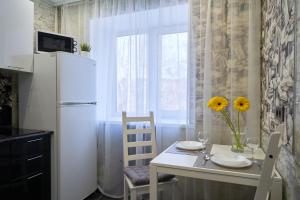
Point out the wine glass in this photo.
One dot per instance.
(203, 139)
(253, 144)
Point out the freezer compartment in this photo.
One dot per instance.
(76, 78)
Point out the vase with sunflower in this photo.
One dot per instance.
(241, 104)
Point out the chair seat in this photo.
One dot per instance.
(139, 175)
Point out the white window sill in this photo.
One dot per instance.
(169, 123)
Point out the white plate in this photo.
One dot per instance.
(190, 145)
(232, 161)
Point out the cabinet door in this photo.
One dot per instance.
(5, 192)
(29, 156)
(24, 167)
(16, 33)
(4, 162)
(29, 147)
(32, 188)
(4, 170)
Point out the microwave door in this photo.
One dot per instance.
(48, 42)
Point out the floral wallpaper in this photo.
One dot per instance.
(278, 64)
(297, 87)
(278, 76)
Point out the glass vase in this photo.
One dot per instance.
(238, 142)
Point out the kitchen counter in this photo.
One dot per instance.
(7, 134)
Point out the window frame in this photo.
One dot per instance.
(154, 43)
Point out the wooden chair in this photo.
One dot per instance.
(266, 179)
(136, 178)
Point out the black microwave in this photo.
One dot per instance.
(52, 42)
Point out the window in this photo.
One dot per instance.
(131, 71)
(142, 63)
(173, 76)
(152, 73)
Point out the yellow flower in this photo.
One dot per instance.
(241, 104)
(217, 103)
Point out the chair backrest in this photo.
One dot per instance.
(266, 178)
(144, 130)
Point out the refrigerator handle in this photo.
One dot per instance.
(78, 103)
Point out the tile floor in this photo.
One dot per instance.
(98, 196)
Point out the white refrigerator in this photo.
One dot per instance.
(61, 96)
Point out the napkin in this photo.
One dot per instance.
(230, 160)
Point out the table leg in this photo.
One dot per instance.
(276, 190)
(153, 183)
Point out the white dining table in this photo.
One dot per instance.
(191, 164)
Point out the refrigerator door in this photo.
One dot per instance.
(76, 78)
(77, 151)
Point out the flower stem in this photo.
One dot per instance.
(228, 121)
(238, 122)
(236, 133)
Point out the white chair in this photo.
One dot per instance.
(136, 178)
(266, 179)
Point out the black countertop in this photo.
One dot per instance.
(7, 133)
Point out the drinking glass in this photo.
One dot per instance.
(203, 139)
(253, 144)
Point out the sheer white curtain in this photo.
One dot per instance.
(141, 50)
(141, 53)
(75, 19)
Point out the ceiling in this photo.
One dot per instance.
(60, 2)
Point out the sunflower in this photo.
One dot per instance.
(217, 103)
(241, 104)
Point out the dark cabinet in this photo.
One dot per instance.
(25, 168)
(4, 163)
(30, 188)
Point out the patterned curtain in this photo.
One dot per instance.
(225, 61)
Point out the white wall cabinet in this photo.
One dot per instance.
(16, 35)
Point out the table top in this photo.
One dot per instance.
(193, 160)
